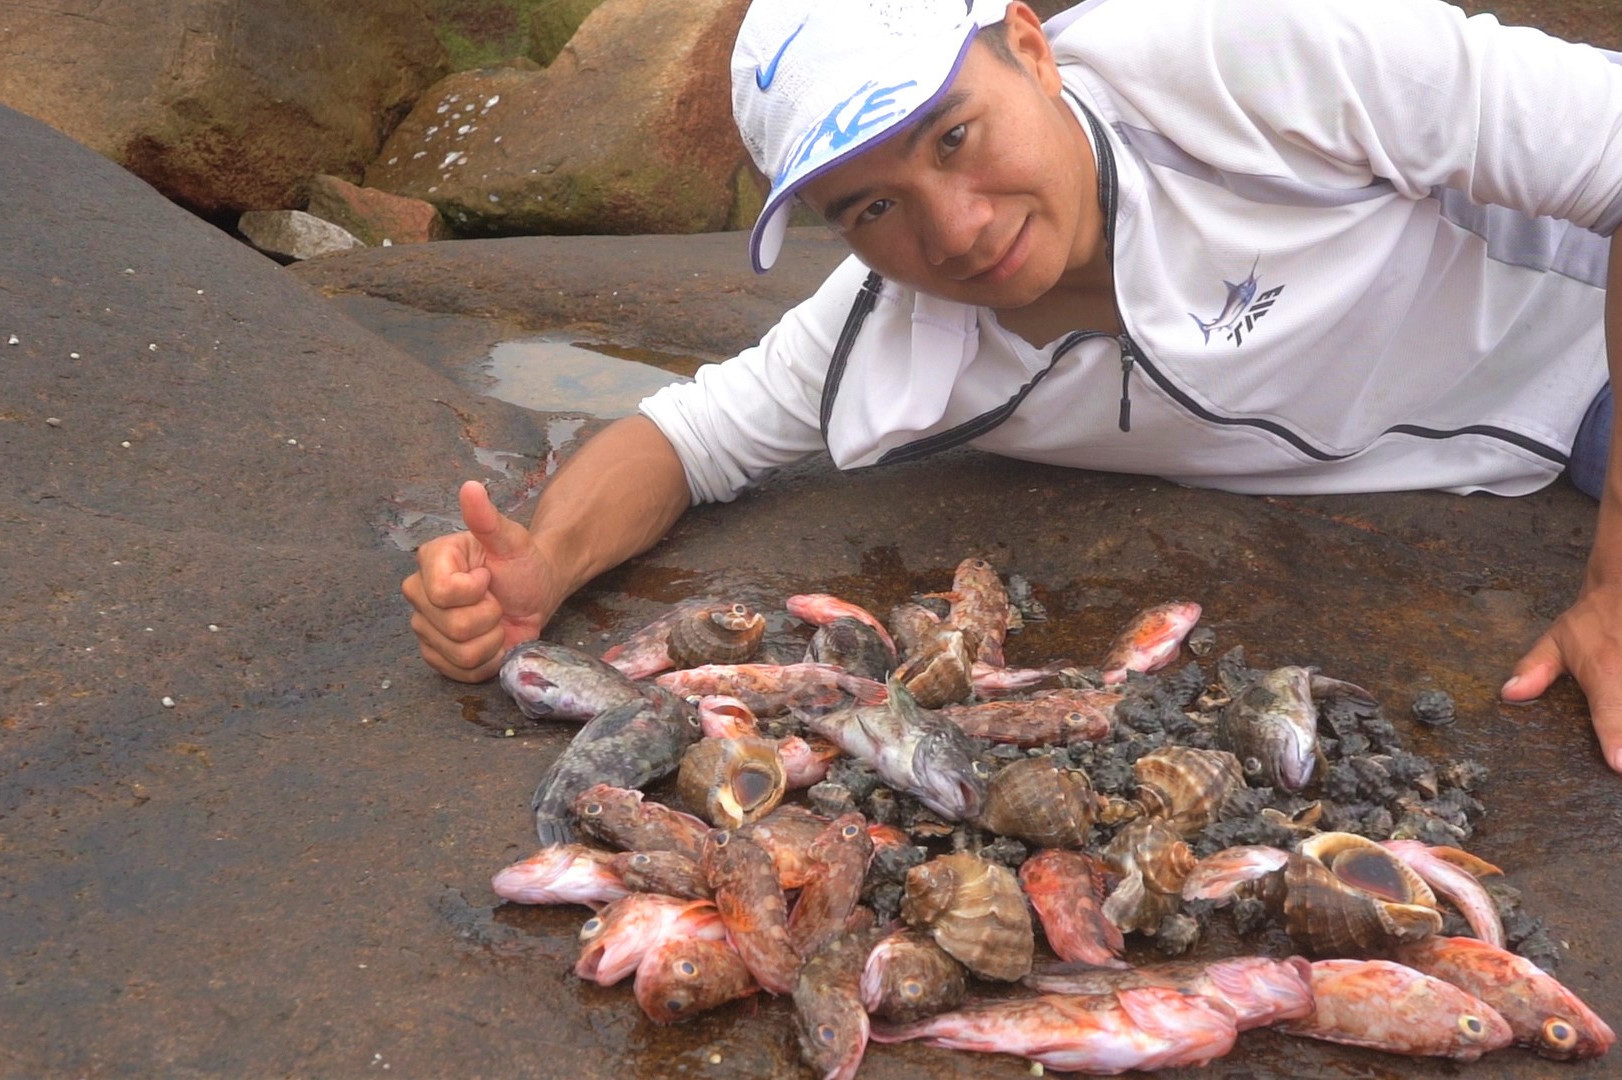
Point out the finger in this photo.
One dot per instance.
(460, 659)
(444, 579)
(466, 675)
(1539, 668)
(502, 537)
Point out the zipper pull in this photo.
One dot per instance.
(1126, 378)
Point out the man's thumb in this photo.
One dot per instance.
(501, 537)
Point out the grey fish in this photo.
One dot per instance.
(913, 750)
(1272, 724)
(627, 746)
(561, 683)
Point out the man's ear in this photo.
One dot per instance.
(1030, 45)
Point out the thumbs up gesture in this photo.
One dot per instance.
(480, 592)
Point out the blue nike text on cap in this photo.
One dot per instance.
(816, 81)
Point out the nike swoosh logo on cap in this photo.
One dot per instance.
(763, 78)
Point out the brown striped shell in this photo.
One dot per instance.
(1153, 861)
(1345, 895)
(730, 782)
(1034, 800)
(975, 910)
(717, 634)
(943, 673)
(1186, 787)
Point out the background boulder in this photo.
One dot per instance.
(628, 131)
(222, 105)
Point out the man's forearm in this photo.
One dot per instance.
(615, 498)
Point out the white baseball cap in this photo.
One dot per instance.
(817, 81)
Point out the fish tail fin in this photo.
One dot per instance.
(553, 831)
(1205, 329)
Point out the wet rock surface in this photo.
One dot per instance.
(287, 871)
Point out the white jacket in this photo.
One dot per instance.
(1358, 245)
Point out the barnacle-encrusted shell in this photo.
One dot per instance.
(1034, 800)
(721, 634)
(1345, 895)
(975, 910)
(853, 645)
(942, 673)
(730, 782)
(1153, 861)
(1187, 787)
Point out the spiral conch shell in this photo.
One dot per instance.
(730, 782)
(975, 910)
(1184, 787)
(942, 672)
(1034, 800)
(1153, 860)
(1345, 895)
(719, 634)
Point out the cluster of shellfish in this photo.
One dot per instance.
(870, 826)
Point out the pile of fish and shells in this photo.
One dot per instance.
(884, 828)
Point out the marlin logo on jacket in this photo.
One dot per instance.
(1242, 310)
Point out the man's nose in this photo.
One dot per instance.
(953, 218)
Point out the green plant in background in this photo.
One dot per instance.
(482, 33)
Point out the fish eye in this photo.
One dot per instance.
(687, 968)
(1558, 1034)
(980, 768)
(592, 925)
(593, 809)
(720, 837)
(693, 721)
(826, 1033)
(675, 1005)
(1472, 1026)
(849, 831)
(912, 988)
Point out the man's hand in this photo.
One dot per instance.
(480, 592)
(1586, 642)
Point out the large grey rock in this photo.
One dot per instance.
(628, 131)
(295, 234)
(221, 104)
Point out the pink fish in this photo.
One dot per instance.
(646, 652)
(1052, 716)
(775, 688)
(561, 874)
(1151, 640)
(1067, 890)
(989, 681)
(806, 761)
(1543, 1014)
(1258, 989)
(743, 878)
(1149, 1027)
(980, 609)
(820, 609)
(614, 941)
(1456, 875)
(1391, 1007)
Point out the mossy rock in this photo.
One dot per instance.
(552, 23)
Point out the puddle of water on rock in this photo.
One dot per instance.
(551, 374)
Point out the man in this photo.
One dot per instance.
(1259, 245)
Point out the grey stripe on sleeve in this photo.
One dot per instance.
(1273, 190)
(1541, 243)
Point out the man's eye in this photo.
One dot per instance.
(874, 209)
(954, 137)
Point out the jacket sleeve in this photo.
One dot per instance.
(740, 419)
(1346, 92)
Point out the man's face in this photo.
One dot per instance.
(988, 198)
